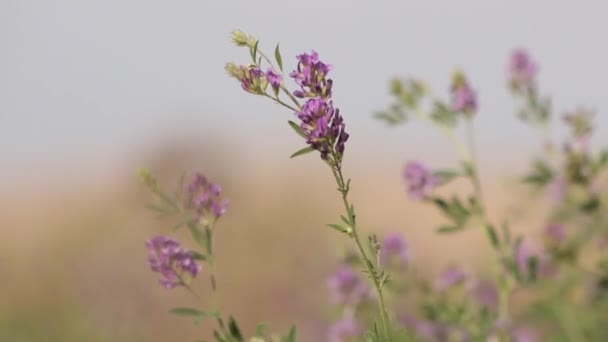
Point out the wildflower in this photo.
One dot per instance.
(450, 277)
(420, 180)
(527, 251)
(240, 38)
(205, 198)
(346, 287)
(522, 71)
(323, 127)
(485, 293)
(274, 79)
(427, 330)
(252, 79)
(394, 248)
(310, 75)
(175, 264)
(345, 329)
(464, 98)
(555, 232)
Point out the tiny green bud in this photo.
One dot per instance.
(240, 38)
(234, 70)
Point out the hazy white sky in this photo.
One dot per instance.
(99, 78)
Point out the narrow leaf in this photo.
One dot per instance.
(198, 256)
(234, 329)
(191, 312)
(449, 229)
(291, 337)
(277, 56)
(296, 128)
(338, 228)
(492, 235)
(198, 236)
(301, 152)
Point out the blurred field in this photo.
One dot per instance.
(73, 263)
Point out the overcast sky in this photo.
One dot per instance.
(98, 78)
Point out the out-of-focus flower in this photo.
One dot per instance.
(485, 293)
(346, 329)
(557, 189)
(581, 127)
(323, 127)
(525, 252)
(311, 76)
(346, 287)
(450, 277)
(419, 179)
(205, 198)
(176, 265)
(555, 233)
(394, 250)
(464, 98)
(427, 330)
(522, 71)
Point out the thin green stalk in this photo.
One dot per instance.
(344, 189)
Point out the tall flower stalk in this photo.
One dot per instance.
(322, 127)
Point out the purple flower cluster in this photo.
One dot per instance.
(175, 264)
(394, 250)
(205, 197)
(252, 79)
(346, 287)
(522, 71)
(419, 179)
(464, 98)
(450, 277)
(321, 123)
(311, 75)
(344, 329)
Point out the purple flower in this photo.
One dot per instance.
(464, 98)
(310, 75)
(522, 71)
(274, 79)
(524, 254)
(523, 335)
(555, 233)
(346, 287)
(485, 293)
(252, 79)
(394, 248)
(427, 330)
(205, 198)
(450, 277)
(175, 264)
(344, 329)
(420, 180)
(323, 127)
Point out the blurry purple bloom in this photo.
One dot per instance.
(450, 277)
(346, 287)
(485, 293)
(344, 329)
(522, 70)
(205, 197)
(555, 232)
(310, 75)
(464, 99)
(165, 256)
(420, 180)
(323, 126)
(528, 250)
(274, 79)
(523, 335)
(394, 248)
(427, 330)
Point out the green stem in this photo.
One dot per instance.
(283, 88)
(344, 189)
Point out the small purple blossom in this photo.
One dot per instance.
(419, 179)
(274, 79)
(522, 70)
(485, 293)
(323, 127)
(205, 197)
(450, 277)
(310, 75)
(464, 98)
(427, 330)
(394, 250)
(345, 329)
(175, 264)
(346, 287)
(555, 232)
(252, 80)
(524, 254)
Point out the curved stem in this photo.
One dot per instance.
(344, 189)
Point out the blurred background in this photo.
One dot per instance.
(92, 90)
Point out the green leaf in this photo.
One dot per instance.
(532, 268)
(449, 229)
(338, 228)
(159, 209)
(197, 235)
(277, 56)
(442, 115)
(296, 128)
(234, 329)
(260, 330)
(541, 174)
(189, 312)
(303, 151)
(208, 239)
(254, 51)
(446, 175)
(198, 256)
(291, 336)
(345, 220)
(492, 235)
